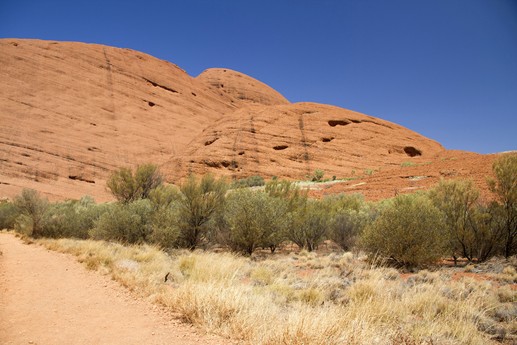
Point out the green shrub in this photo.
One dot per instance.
(31, 207)
(127, 223)
(8, 214)
(409, 231)
(346, 227)
(288, 191)
(164, 218)
(73, 218)
(252, 181)
(308, 225)
(505, 188)
(164, 196)
(254, 220)
(472, 230)
(318, 175)
(198, 204)
(164, 227)
(127, 186)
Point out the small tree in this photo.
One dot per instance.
(8, 214)
(288, 191)
(32, 210)
(165, 215)
(127, 223)
(199, 202)
(456, 199)
(72, 218)
(127, 186)
(409, 231)
(347, 225)
(255, 220)
(308, 225)
(505, 188)
(318, 175)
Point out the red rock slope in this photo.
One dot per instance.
(70, 113)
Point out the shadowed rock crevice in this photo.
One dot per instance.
(160, 86)
(280, 147)
(79, 178)
(210, 142)
(412, 152)
(334, 123)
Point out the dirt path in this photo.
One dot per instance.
(48, 298)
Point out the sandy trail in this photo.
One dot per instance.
(48, 298)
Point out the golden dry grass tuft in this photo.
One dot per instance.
(308, 298)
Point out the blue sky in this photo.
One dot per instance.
(444, 68)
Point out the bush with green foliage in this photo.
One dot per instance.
(198, 204)
(164, 227)
(125, 222)
(408, 231)
(318, 175)
(288, 191)
(73, 218)
(127, 186)
(346, 227)
(457, 199)
(31, 207)
(252, 181)
(254, 219)
(164, 218)
(308, 225)
(504, 186)
(8, 214)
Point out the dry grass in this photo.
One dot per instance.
(307, 298)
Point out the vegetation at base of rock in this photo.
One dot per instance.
(318, 175)
(31, 209)
(409, 230)
(504, 186)
(252, 181)
(127, 186)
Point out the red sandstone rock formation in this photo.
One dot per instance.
(71, 113)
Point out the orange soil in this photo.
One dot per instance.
(49, 298)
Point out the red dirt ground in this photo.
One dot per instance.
(49, 298)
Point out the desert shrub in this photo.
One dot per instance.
(340, 202)
(409, 231)
(288, 191)
(504, 186)
(31, 207)
(456, 199)
(254, 220)
(127, 186)
(348, 214)
(198, 204)
(346, 226)
(164, 196)
(308, 225)
(73, 218)
(164, 227)
(318, 175)
(125, 222)
(252, 181)
(8, 214)
(164, 216)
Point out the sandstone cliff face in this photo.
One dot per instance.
(70, 113)
(293, 140)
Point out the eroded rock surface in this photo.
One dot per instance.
(71, 113)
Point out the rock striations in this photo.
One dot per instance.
(71, 113)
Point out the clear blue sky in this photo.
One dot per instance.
(444, 68)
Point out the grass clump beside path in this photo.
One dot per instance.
(307, 298)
